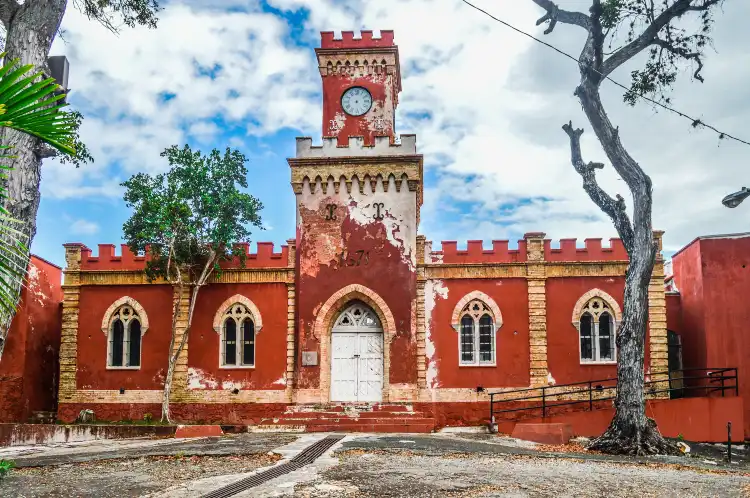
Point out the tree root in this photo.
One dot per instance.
(634, 441)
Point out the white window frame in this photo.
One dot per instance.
(115, 316)
(476, 316)
(230, 313)
(596, 307)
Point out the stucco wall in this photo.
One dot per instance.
(512, 338)
(270, 341)
(29, 368)
(688, 277)
(92, 342)
(563, 355)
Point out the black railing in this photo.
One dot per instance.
(703, 381)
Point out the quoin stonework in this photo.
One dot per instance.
(358, 307)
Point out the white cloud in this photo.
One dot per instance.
(486, 103)
(145, 90)
(84, 227)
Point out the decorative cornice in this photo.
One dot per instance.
(521, 270)
(136, 277)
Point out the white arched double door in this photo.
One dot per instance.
(357, 356)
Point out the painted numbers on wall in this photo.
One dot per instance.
(356, 258)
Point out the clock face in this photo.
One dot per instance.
(356, 101)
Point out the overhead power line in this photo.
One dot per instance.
(695, 122)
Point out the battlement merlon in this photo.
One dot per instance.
(79, 257)
(347, 40)
(356, 147)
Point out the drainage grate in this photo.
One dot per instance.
(308, 456)
(313, 452)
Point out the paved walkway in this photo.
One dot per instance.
(362, 465)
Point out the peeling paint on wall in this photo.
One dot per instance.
(433, 290)
(198, 379)
(550, 379)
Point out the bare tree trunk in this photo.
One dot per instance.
(630, 431)
(176, 313)
(166, 415)
(30, 29)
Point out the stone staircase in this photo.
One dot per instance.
(349, 417)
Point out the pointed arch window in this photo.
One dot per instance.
(124, 336)
(477, 335)
(596, 327)
(238, 333)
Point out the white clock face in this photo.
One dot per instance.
(356, 101)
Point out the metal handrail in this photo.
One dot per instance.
(712, 375)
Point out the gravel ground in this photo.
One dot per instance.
(398, 473)
(124, 478)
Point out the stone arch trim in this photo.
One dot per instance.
(125, 300)
(481, 296)
(238, 299)
(324, 322)
(584, 299)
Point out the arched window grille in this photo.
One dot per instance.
(124, 340)
(597, 332)
(477, 335)
(238, 337)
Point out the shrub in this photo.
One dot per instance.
(5, 466)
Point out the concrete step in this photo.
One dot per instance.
(342, 415)
(355, 407)
(345, 422)
(422, 428)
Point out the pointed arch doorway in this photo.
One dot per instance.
(357, 355)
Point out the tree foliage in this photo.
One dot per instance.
(673, 45)
(187, 221)
(196, 209)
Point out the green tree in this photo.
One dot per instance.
(32, 109)
(187, 221)
(672, 33)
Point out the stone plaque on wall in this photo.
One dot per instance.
(309, 358)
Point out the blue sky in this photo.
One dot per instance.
(485, 103)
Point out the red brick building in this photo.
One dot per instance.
(358, 307)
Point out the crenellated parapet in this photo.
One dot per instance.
(475, 252)
(265, 257)
(592, 251)
(126, 260)
(108, 260)
(365, 40)
(356, 147)
(501, 252)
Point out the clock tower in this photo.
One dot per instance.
(358, 197)
(361, 83)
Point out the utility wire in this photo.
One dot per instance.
(694, 121)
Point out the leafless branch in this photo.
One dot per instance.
(555, 14)
(614, 208)
(8, 9)
(649, 34)
(684, 54)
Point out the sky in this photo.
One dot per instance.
(486, 103)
